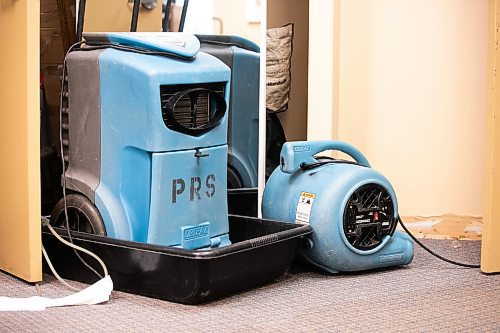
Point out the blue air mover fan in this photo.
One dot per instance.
(351, 207)
(144, 131)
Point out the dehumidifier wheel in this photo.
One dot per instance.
(83, 215)
(233, 180)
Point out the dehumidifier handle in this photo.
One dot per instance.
(295, 153)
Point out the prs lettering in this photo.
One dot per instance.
(197, 189)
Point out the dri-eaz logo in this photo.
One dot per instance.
(196, 232)
(195, 188)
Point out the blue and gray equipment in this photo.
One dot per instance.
(242, 56)
(144, 128)
(351, 207)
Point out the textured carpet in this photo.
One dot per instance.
(428, 295)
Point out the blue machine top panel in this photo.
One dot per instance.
(130, 98)
(183, 44)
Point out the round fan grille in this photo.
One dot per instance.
(368, 217)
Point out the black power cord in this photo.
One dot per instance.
(432, 252)
(82, 5)
(135, 16)
(183, 15)
(166, 17)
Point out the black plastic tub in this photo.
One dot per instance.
(262, 251)
(242, 201)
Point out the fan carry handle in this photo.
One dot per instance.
(294, 154)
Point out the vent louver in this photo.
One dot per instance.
(193, 109)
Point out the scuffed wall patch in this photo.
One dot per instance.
(445, 227)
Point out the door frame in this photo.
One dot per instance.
(490, 254)
(20, 211)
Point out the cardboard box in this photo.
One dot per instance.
(57, 34)
(52, 84)
(51, 47)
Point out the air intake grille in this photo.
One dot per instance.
(193, 109)
(369, 217)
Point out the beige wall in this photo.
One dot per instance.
(233, 16)
(115, 15)
(20, 228)
(279, 13)
(323, 63)
(412, 96)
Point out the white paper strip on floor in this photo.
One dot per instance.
(97, 293)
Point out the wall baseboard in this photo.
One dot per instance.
(445, 226)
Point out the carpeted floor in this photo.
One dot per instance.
(426, 296)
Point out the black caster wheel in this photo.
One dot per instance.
(233, 180)
(83, 215)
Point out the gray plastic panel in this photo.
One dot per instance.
(84, 111)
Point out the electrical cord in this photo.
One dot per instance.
(432, 252)
(53, 270)
(76, 247)
(135, 15)
(166, 16)
(46, 222)
(182, 21)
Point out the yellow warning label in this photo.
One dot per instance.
(308, 195)
(304, 207)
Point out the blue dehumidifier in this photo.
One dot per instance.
(242, 56)
(144, 131)
(351, 207)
